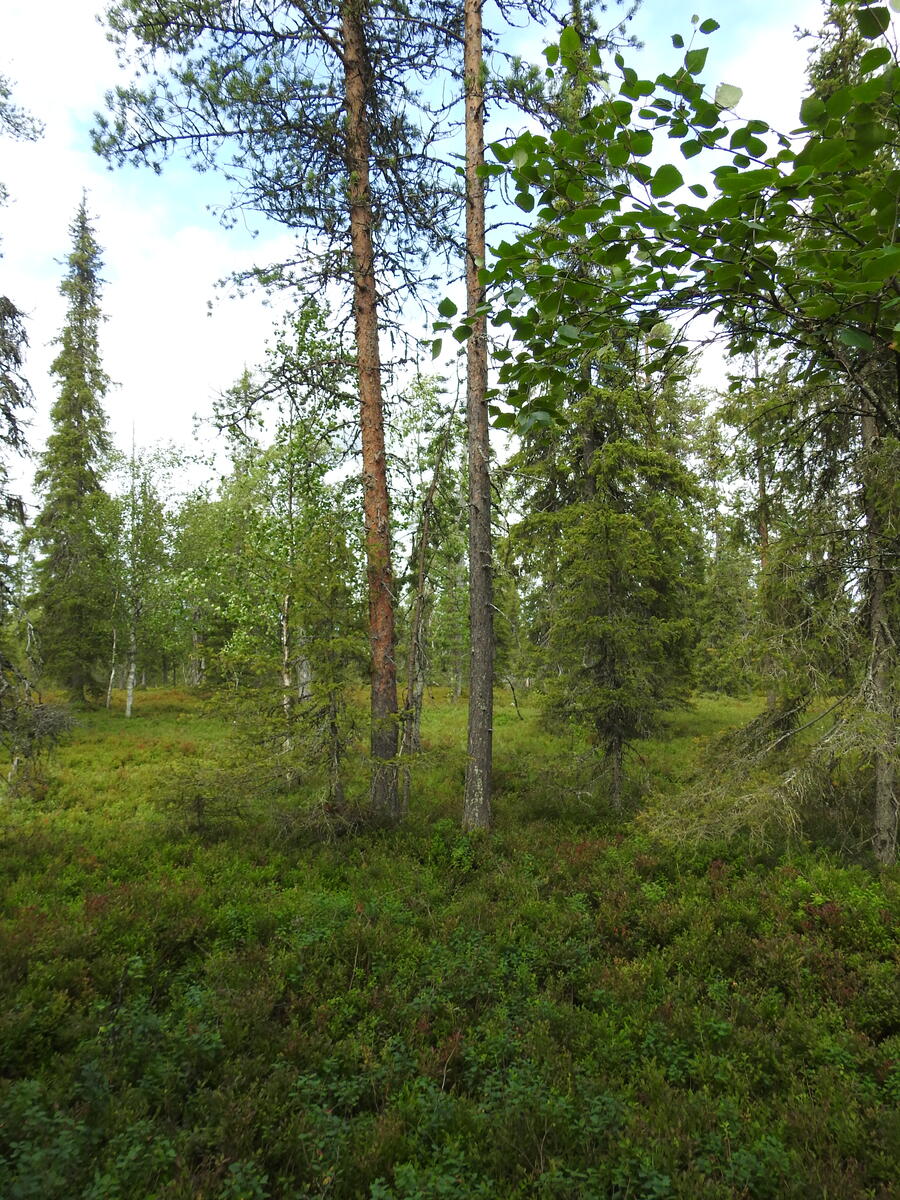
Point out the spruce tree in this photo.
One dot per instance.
(611, 531)
(71, 531)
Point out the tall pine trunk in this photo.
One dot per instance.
(357, 83)
(477, 803)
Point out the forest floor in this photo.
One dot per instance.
(259, 1008)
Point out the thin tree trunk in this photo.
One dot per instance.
(618, 773)
(304, 673)
(762, 513)
(881, 648)
(410, 738)
(590, 443)
(132, 661)
(112, 670)
(357, 82)
(285, 632)
(477, 802)
(284, 624)
(335, 752)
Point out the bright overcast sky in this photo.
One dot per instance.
(163, 251)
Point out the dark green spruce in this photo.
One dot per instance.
(71, 532)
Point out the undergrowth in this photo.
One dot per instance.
(561, 1009)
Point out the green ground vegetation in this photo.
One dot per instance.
(250, 1001)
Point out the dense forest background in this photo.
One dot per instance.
(259, 712)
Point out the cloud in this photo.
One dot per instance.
(163, 251)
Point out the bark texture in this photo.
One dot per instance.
(477, 802)
(357, 85)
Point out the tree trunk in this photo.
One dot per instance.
(762, 513)
(284, 625)
(357, 83)
(304, 673)
(590, 443)
(132, 661)
(762, 499)
(411, 736)
(335, 752)
(881, 649)
(477, 802)
(410, 739)
(112, 670)
(616, 755)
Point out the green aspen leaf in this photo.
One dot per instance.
(520, 157)
(884, 265)
(811, 110)
(877, 57)
(500, 152)
(699, 190)
(436, 347)
(641, 142)
(709, 26)
(447, 308)
(695, 20)
(695, 60)
(873, 22)
(856, 338)
(689, 149)
(727, 95)
(569, 41)
(525, 201)
(551, 53)
(515, 296)
(666, 180)
(462, 332)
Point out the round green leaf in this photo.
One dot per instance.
(727, 95)
(873, 22)
(811, 110)
(569, 41)
(666, 180)
(695, 60)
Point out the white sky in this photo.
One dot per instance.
(163, 250)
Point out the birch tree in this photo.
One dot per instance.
(309, 111)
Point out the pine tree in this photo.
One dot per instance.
(72, 531)
(311, 109)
